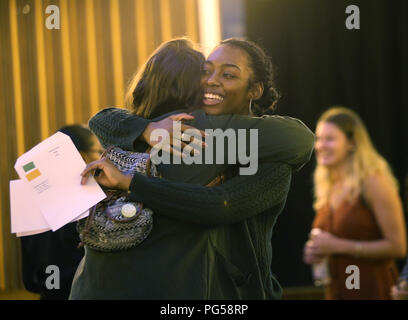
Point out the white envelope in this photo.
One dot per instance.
(31, 233)
(51, 170)
(26, 216)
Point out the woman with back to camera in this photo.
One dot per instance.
(359, 216)
(198, 255)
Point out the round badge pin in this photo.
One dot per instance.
(128, 210)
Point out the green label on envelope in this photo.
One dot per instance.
(29, 166)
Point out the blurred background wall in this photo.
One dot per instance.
(49, 78)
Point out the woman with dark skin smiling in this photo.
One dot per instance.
(207, 242)
(226, 75)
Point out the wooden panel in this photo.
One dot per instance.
(67, 62)
(178, 28)
(116, 52)
(131, 54)
(28, 62)
(78, 103)
(191, 20)
(165, 18)
(41, 70)
(92, 56)
(16, 72)
(141, 34)
(51, 73)
(82, 24)
(5, 102)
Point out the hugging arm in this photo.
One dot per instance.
(237, 199)
(117, 127)
(280, 139)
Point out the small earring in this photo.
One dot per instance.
(250, 106)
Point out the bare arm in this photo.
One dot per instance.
(384, 200)
(387, 207)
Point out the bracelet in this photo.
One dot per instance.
(358, 249)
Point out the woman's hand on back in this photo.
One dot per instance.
(175, 138)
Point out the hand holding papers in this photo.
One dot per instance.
(50, 181)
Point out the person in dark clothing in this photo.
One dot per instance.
(206, 242)
(59, 248)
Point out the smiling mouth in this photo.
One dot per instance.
(324, 155)
(211, 99)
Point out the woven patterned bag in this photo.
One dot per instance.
(116, 223)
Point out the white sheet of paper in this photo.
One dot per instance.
(52, 172)
(84, 215)
(31, 233)
(26, 216)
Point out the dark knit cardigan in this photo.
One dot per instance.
(207, 243)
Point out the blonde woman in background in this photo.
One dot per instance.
(359, 213)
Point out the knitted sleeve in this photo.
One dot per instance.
(237, 199)
(279, 138)
(118, 127)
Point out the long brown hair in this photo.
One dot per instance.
(169, 79)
